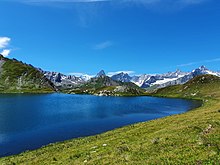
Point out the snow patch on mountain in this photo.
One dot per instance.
(165, 80)
(140, 80)
(170, 78)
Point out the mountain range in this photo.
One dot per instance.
(103, 85)
(147, 81)
(16, 76)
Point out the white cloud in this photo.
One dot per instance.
(192, 1)
(164, 5)
(199, 62)
(130, 72)
(78, 74)
(156, 3)
(103, 45)
(88, 11)
(124, 1)
(4, 41)
(5, 52)
(162, 1)
(60, 1)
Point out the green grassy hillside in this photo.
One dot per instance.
(189, 138)
(17, 77)
(204, 87)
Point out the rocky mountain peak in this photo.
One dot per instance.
(122, 74)
(101, 74)
(203, 68)
(123, 77)
(178, 71)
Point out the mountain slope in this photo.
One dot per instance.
(147, 80)
(123, 77)
(17, 77)
(101, 74)
(62, 81)
(187, 77)
(203, 86)
(104, 86)
(156, 81)
(189, 138)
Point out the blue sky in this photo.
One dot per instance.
(85, 36)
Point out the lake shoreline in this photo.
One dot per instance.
(108, 132)
(110, 97)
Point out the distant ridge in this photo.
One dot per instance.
(147, 81)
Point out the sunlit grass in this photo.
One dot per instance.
(189, 138)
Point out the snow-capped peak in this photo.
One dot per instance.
(144, 80)
(202, 68)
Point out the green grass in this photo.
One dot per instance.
(202, 88)
(17, 77)
(189, 138)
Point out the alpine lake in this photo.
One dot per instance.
(30, 121)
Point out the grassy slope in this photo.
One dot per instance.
(17, 77)
(189, 138)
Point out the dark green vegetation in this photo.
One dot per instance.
(17, 77)
(189, 138)
(105, 86)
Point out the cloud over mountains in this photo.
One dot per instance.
(4, 42)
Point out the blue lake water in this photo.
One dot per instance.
(30, 121)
